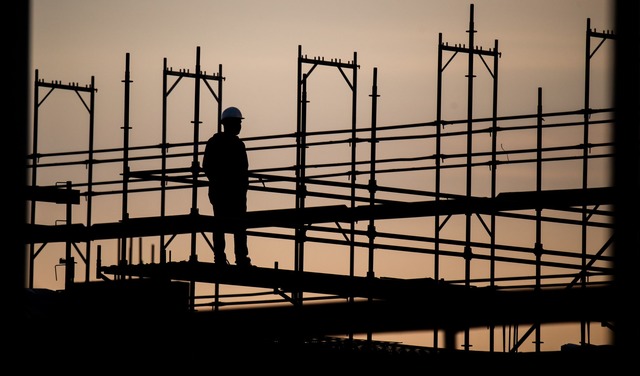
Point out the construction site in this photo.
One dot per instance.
(489, 275)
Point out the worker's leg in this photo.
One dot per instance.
(219, 243)
(240, 248)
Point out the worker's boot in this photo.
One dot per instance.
(220, 258)
(243, 261)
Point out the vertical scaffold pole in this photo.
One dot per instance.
(163, 162)
(538, 246)
(34, 175)
(125, 153)
(195, 164)
(494, 167)
(438, 160)
(300, 231)
(585, 171)
(371, 230)
(469, 168)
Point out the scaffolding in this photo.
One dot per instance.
(463, 226)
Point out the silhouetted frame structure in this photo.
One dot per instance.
(358, 304)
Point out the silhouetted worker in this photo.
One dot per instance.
(226, 165)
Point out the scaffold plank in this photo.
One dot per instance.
(291, 218)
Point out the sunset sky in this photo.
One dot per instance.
(542, 45)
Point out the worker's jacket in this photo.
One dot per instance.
(226, 166)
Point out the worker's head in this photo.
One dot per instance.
(231, 119)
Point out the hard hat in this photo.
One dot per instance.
(231, 112)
